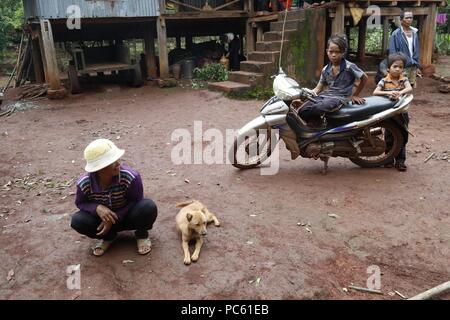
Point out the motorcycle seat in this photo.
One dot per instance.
(356, 112)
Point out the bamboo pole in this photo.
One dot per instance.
(9, 81)
(432, 292)
(20, 53)
(365, 290)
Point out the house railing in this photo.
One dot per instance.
(206, 5)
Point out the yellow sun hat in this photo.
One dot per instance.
(101, 153)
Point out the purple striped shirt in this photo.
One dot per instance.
(123, 193)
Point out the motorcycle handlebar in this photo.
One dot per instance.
(305, 95)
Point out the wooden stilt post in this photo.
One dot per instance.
(248, 6)
(427, 35)
(362, 39)
(162, 6)
(423, 34)
(37, 59)
(51, 65)
(50, 62)
(347, 33)
(42, 51)
(178, 40)
(338, 23)
(162, 45)
(321, 41)
(385, 43)
(149, 43)
(249, 37)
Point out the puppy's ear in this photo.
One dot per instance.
(189, 217)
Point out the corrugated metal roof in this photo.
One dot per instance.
(57, 9)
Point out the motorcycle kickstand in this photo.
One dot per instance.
(325, 164)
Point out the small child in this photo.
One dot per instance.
(336, 84)
(393, 86)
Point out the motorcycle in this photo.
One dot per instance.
(370, 135)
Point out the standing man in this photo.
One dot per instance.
(405, 40)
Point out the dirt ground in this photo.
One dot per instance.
(277, 239)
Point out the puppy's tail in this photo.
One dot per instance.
(184, 204)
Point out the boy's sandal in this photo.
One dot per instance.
(101, 247)
(144, 245)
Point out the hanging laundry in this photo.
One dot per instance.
(441, 18)
(356, 12)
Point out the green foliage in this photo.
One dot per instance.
(199, 84)
(11, 19)
(374, 40)
(443, 33)
(211, 72)
(256, 93)
(443, 43)
(299, 49)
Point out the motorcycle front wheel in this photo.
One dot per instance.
(384, 131)
(250, 151)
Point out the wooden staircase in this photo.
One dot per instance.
(262, 63)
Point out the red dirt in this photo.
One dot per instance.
(398, 221)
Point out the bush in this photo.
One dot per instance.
(211, 72)
(11, 19)
(443, 33)
(256, 93)
(374, 40)
(199, 84)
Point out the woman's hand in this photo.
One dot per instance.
(104, 228)
(358, 100)
(106, 214)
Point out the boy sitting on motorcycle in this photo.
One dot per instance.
(335, 86)
(393, 86)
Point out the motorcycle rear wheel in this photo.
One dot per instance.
(387, 157)
(249, 144)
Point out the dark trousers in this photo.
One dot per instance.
(401, 157)
(140, 218)
(314, 110)
(235, 63)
